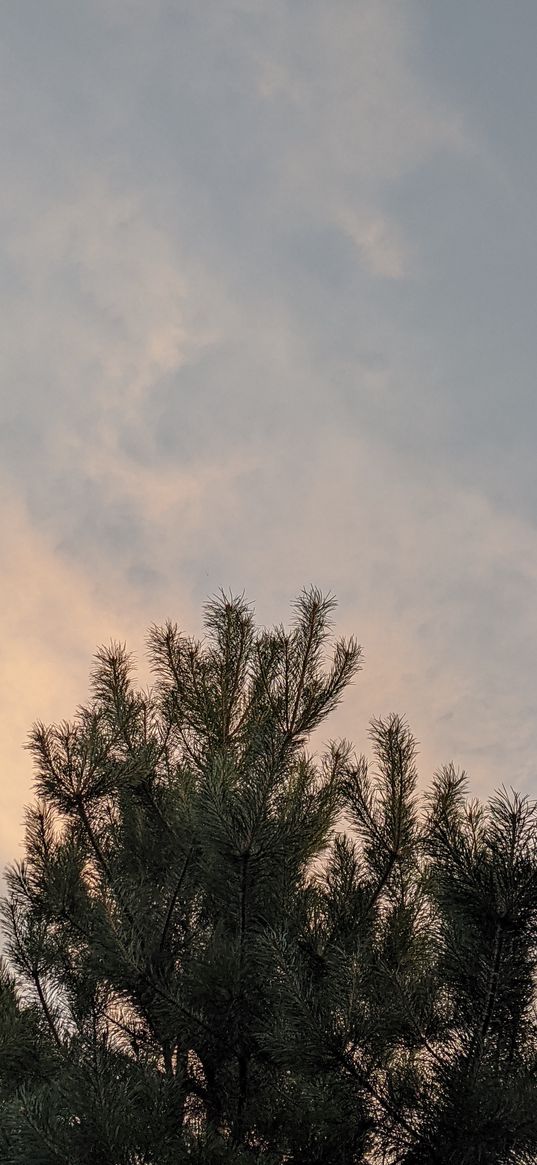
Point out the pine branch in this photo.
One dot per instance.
(363, 1079)
(104, 866)
(314, 610)
(394, 978)
(46, 1011)
(242, 1057)
(175, 895)
(382, 883)
(478, 1042)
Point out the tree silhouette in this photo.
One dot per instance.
(223, 950)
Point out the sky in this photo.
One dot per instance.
(268, 287)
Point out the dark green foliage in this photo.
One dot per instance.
(224, 951)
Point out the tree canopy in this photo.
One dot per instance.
(222, 948)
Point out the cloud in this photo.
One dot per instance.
(97, 281)
(377, 243)
(237, 327)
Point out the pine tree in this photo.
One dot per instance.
(222, 949)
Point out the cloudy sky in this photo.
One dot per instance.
(268, 318)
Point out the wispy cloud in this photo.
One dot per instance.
(376, 241)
